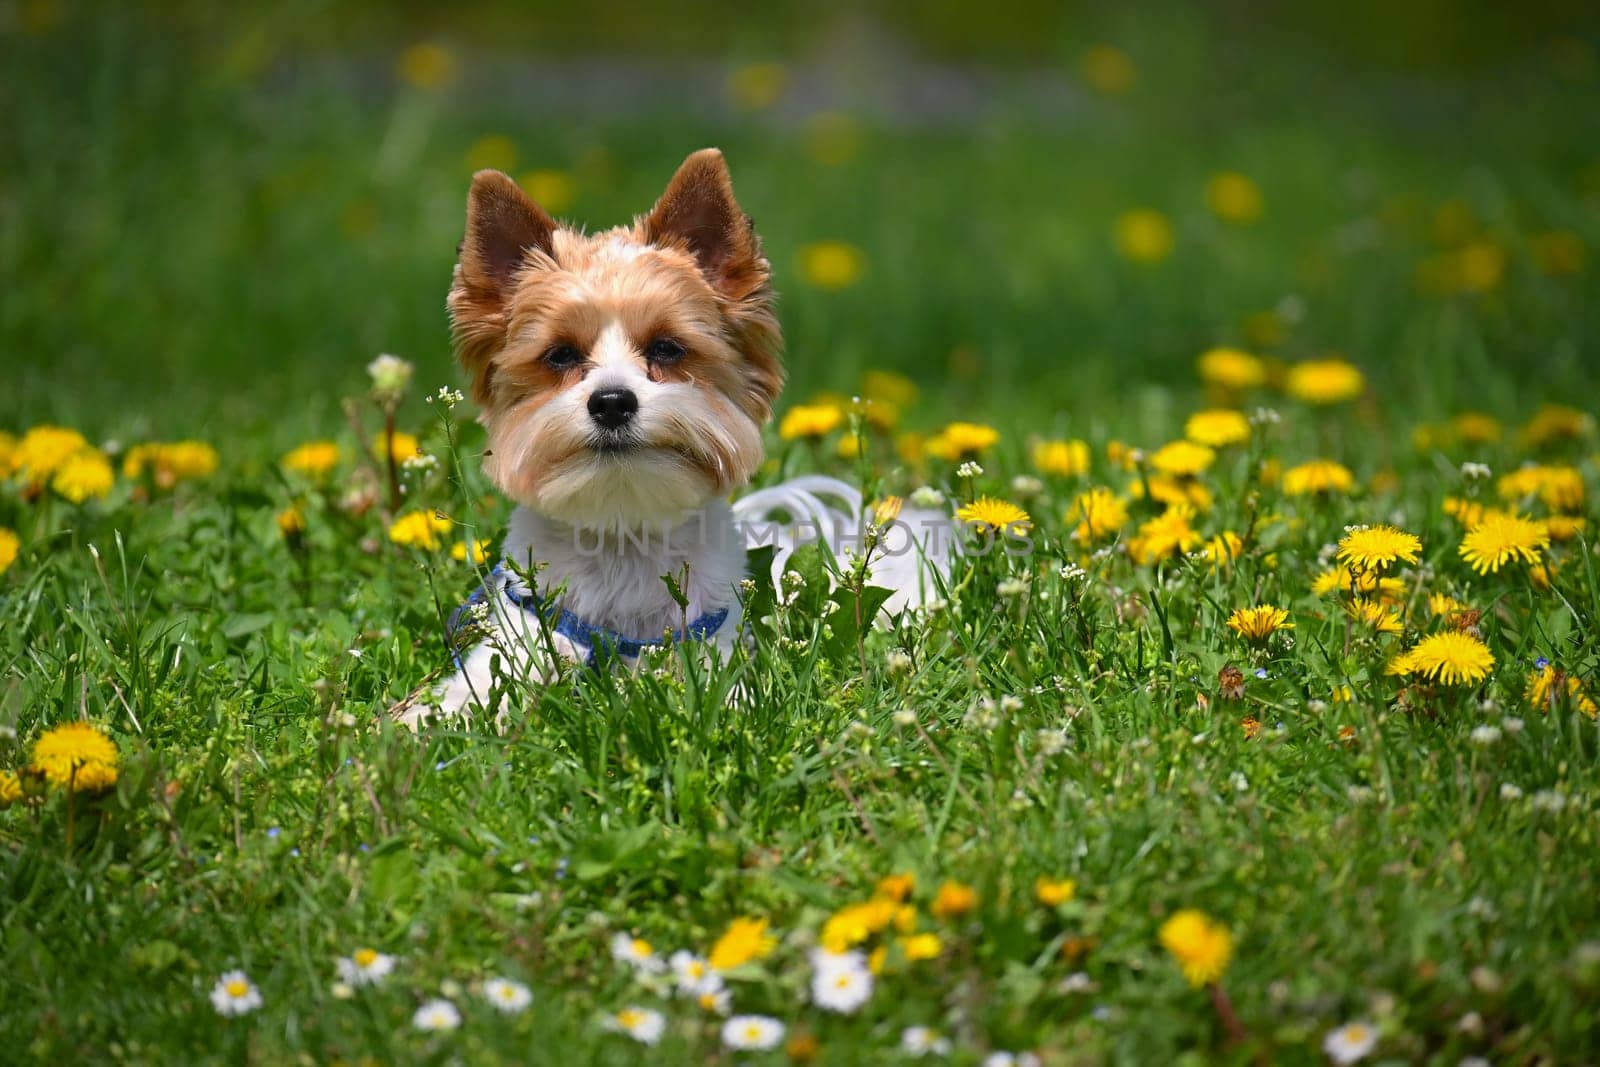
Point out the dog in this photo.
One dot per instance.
(623, 379)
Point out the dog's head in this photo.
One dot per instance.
(623, 376)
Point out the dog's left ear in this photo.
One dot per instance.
(698, 212)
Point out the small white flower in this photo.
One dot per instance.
(1026, 485)
(927, 497)
(1265, 417)
(1480, 908)
(436, 1016)
(421, 461)
(641, 1024)
(365, 966)
(840, 982)
(235, 994)
(1512, 725)
(1550, 800)
(1077, 982)
(715, 1003)
(389, 374)
(923, 1041)
(1359, 794)
(752, 1032)
(341, 991)
(1071, 572)
(905, 717)
(1485, 735)
(692, 974)
(507, 996)
(1240, 783)
(1012, 587)
(1011, 1059)
(898, 661)
(1010, 705)
(1350, 1042)
(969, 469)
(1471, 471)
(1051, 742)
(637, 953)
(1510, 791)
(1470, 1024)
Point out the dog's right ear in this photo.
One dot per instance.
(503, 227)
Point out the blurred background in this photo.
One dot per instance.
(212, 216)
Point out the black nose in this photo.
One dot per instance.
(612, 408)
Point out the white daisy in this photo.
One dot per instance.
(436, 1015)
(641, 1024)
(365, 966)
(715, 1003)
(752, 1032)
(841, 987)
(693, 974)
(235, 994)
(1350, 1042)
(923, 1041)
(637, 953)
(507, 996)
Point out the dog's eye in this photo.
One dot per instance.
(563, 357)
(664, 350)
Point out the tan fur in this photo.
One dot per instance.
(690, 269)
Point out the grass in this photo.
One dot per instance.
(221, 264)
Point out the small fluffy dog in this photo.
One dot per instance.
(623, 378)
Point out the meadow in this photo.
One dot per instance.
(1278, 746)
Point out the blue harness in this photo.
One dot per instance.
(600, 641)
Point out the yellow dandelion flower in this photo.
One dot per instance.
(1476, 428)
(1220, 551)
(1444, 606)
(1201, 946)
(1556, 422)
(1231, 369)
(553, 190)
(170, 462)
(1233, 197)
(1069, 459)
(291, 522)
(405, 446)
(962, 440)
(1172, 491)
(1259, 623)
(64, 752)
(924, 946)
(1452, 658)
(10, 548)
(479, 550)
(1565, 527)
(1550, 687)
(1108, 69)
(10, 789)
(1357, 583)
(911, 447)
(1402, 665)
(1182, 459)
(1097, 514)
(43, 450)
(426, 66)
(419, 529)
(1325, 381)
(1467, 512)
(1376, 614)
(1318, 476)
(878, 414)
(1217, 428)
(1168, 534)
(889, 387)
(989, 513)
(1143, 235)
(810, 421)
(744, 940)
(1375, 548)
(1052, 892)
(312, 459)
(953, 900)
(757, 86)
(831, 265)
(1503, 539)
(84, 475)
(897, 887)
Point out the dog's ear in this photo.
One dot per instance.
(503, 223)
(698, 213)
(503, 227)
